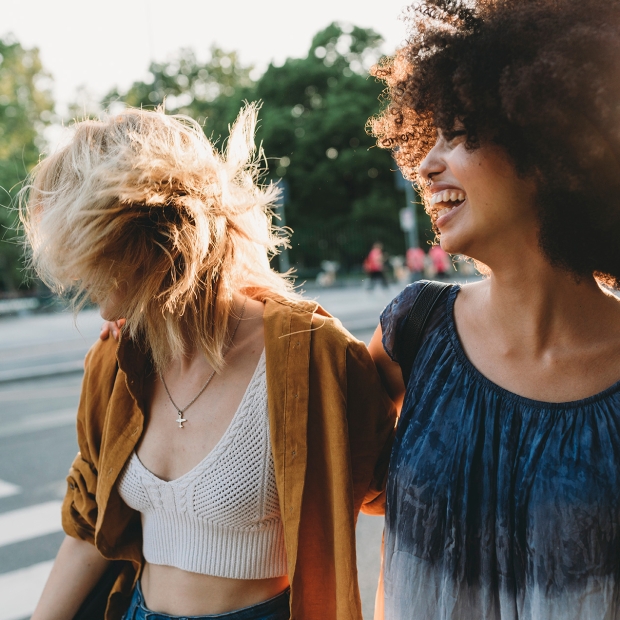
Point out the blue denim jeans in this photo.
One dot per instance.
(276, 608)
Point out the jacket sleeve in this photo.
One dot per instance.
(79, 509)
(371, 418)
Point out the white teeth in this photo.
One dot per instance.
(444, 211)
(447, 195)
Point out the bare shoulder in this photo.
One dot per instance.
(471, 298)
(253, 308)
(473, 291)
(247, 324)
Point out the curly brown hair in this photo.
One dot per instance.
(540, 78)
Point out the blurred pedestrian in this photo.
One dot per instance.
(399, 269)
(215, 463)
(503, 500)
(415, 263)
(440, 260)
(374, 266)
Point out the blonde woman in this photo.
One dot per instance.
(228, 441)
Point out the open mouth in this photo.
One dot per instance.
(445, 203)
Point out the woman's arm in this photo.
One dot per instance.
(389, 371)
(78, 567)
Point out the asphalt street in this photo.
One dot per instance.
(40, 374)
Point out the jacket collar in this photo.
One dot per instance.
(135, 362)
(133, 358)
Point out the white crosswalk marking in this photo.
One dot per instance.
(20, 590)
(25, 523)
(7, 489)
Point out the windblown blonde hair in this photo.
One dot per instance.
(143, 200)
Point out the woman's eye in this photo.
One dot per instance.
(457, 136)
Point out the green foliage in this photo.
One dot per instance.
(26, 107)
(341, 187)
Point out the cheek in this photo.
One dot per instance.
(496, 193)
(107, 309)
(479, 179)
(110, 308)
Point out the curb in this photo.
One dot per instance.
(40, 372)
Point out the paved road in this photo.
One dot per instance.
(37, 441)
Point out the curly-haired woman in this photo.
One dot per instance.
(503, 499)
(229, 441)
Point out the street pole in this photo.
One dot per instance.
(408, 216)
(410, 197)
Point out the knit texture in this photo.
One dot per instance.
(222, 517)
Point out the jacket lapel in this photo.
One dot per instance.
(287, 353)
(124, 421)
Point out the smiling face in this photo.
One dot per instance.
(477, 201)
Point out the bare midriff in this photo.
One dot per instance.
(177, 592)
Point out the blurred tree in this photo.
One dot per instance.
(341, 187)
(26, 107)
(211, 92)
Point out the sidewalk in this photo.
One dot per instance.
(47, 345)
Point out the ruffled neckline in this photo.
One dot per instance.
(504, 393)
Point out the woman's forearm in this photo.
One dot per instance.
(78, 567)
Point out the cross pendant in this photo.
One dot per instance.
(180, 420)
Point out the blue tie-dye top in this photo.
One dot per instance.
(498, 506)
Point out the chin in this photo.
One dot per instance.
(458, 241)
(107, 315)
(449, 244)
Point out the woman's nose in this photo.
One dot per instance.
(432, 164)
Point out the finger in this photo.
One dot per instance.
(116, 328)
(105, 331)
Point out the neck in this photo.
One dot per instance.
(194, 356)
(534, 303)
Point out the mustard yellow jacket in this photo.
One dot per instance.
(331, 429)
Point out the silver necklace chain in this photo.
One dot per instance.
(180, 419)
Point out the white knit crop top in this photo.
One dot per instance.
(222, 517)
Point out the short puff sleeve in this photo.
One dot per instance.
(393, 317)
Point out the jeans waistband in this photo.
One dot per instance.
(276, 608)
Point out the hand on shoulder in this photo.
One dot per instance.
(111, 328)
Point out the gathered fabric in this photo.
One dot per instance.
(499, 507)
